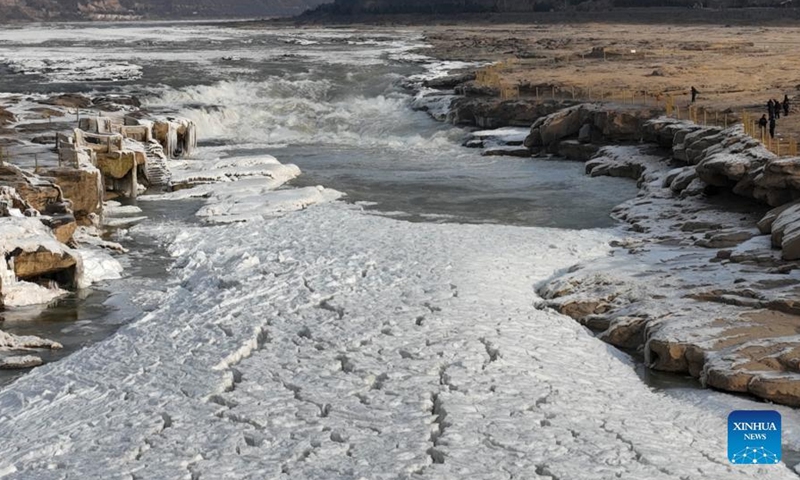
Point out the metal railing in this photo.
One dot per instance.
(778, 146)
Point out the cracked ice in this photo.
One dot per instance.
(331, 343)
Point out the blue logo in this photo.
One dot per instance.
(754, 437)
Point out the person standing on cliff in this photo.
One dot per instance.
(771, 109)
(772, 127)
(786, 105)
(777, 105)
(762, 125)
(695, 93)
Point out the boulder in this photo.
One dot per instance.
(29, 252)
(683, 179)
(784, 390)
(44, 263)
(725, 239)
(666, 356)
(726, 169)
(746, 187)
(576, 150)
(605, 167)
(696, 188)
(585, 133)
(507, 152)
(62, 226)
(10, 342)
(496, 113)
(621, 124)
(449, 82)
(727, 380)
(662, 131)
(562, 124)
(671, 175)
(765, 224)
(82, 186)
(69, 100)
(579, 310)
(116, 102)
(36, 191)
(625, 332)
(534, 139)
(777, 197)
(46, 112)
(698, 141)
(6, 117)
(780, 173)
(786, 221)
(678, 144)
(11, 203)
(20, 362)
(790, 246)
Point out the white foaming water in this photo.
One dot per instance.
(303, 111)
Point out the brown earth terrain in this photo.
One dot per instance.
(736, 68)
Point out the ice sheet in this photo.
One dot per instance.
(334, 344)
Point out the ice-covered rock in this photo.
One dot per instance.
(18, 362)
(449, 82)
(82, 186)
(682, 179)
(727, 169)
(513, 136)
(629, 162)
(36, 191)
(785, 231)
(765, 224)
(507, 152)
(194, 173)
(242, 188)
(15, 342)
(98, 266)
(719, 315)
(254, 199)
(178, 136)
(32, 254)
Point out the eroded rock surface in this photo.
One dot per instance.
(697, 288)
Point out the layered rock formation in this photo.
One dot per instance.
(603, 124)
(699, 288)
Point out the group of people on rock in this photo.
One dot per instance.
(774, 108)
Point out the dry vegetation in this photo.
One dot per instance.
(735, 68)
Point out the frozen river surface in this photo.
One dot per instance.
(333, 343)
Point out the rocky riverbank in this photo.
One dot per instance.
(55, 206)
(59, 179)
(706, 280)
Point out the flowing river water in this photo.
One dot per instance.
(332, 102)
